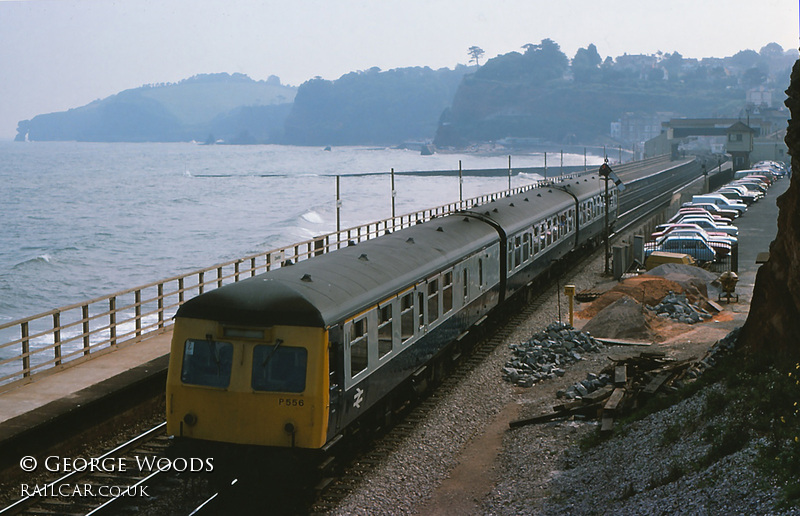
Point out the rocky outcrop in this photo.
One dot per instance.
(773, 324)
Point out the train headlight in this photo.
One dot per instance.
(190, 419)
(289, 428)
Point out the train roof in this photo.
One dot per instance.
(516, 212)
(327, 289)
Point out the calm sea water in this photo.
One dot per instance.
(82, 220)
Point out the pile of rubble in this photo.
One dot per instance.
(592, 383)
(678, 308)
(545, 353)
(619, 388)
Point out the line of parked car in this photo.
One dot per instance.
(703, 228)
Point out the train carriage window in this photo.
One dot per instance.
(510, 256)
(207, 362)
(465, 282)
(279, 368)
(517, 251)
(526, 246)
(421, 310)
(433, 300)
(447, 291)
(384, 330)
(406, 317)
(359, 358)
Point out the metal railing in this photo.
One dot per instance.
(52, 340)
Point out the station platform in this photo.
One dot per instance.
(33, 414)
(36, 415)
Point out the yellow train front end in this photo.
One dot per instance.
(264, 387)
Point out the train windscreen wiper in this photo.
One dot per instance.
(278, 342)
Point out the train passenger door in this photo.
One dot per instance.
(335, 379)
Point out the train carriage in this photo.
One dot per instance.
(291, 357)
(296, 357)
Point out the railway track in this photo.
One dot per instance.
(97, 485)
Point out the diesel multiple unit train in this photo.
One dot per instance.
(297, 356)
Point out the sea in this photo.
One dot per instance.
(83, 220)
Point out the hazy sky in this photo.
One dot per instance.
(59, 54)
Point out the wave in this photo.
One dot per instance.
(312, 217)
(39, 260)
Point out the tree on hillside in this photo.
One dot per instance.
(476, 53)
(586, 64)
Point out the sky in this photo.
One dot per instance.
(60, 54)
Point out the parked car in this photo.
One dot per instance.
(721, 244)
(711, 226)
(721, 201)
(713, 209)
(692, 245)
(736, 195)
(753, 185)
(757, 172)
(697, 210)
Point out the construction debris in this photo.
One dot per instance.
(618, 389)
(545, 353)
(678, 308)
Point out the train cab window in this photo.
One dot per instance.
(447, 291)
(433, 300)
(358, 346)
(207, 362)
(406, 317)
(384, 330)
(278, 368)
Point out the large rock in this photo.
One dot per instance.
(772, 329)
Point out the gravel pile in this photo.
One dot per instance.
(544, 354)
(678, 308)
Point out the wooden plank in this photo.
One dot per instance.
(615, 399)
(624, 342)
(656, 383)
(620, 374)
(599, 395)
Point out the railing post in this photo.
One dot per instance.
(26, 350)
(236, 270)
(201, 281)
(180, 290)
(137, 301)
(57, 337)
(219, 277)
(112, 320)
(160, 305)
(86, 340)
(253, 266)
